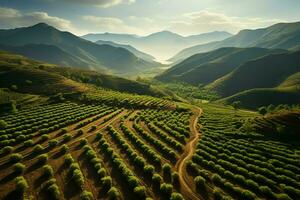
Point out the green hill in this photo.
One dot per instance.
(91, 55)
(24, 75)
(45, 53)
(267, 72)
(255, 98)
(278, 36)
(203, 68)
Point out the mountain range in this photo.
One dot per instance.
(278, 36)
(162, 45)
(46, 43)
(254, 75)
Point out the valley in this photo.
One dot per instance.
(97, 116)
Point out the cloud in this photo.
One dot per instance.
(99, 3)
(206, 21)
(11, 18)
(110, 24)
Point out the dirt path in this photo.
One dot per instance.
(185, 184)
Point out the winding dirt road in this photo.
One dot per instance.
(185, 184)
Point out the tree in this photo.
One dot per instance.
(3, 124)
(262, 110)
(236, 105)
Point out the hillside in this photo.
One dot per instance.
(255, 98)
(162, 44)
(267, 72)
(94, 56)
(24, 75)
(46, 53)
(283, 125)
(203, 68)
(278, 36)
(133, 50)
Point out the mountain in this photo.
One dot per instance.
(204, 68)
(133, 50)
(94, 56)
(46, 53)
(278, 36)
(162, 44)
(266, 72)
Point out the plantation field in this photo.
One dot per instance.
(232, 163)
(86, 151)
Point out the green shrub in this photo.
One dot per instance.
(83, 141)
(42, 159)
(21, 184)
(28, 143)
(86, 195)
(106, 182)
(133, 181)
(113, 193)
(37, 149)
(45, 137)
(67, 138)
(247, 195)
(217, 194)
(156, 179)
(54, 191)
(15, 157)
(53, 143)
(19, 168)
(64, 148)
(6, 150)
(283, 197)
(48, 171)
(167, 170)
(69, 159)
(63, 131)
(200, 183)
(175, 178)
(140, 192)
(80, 132)
(3, 124)
(166, 189)
(176, 196)
(101, 172)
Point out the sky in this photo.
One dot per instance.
(143, 17)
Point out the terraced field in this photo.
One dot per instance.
(77, 151)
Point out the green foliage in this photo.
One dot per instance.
(140, 192)
(37, 149)
(42, 159)
(16, 157)
(166, 189)
(64, 148)
(28, 143)
(113, 193)
(21, 184)
(53, 143)
(86, 195)
(19, 168)
(6, 150)
(176, 196)
(200, 183)
(3, 124)
(48, 171)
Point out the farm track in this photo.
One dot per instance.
(180, 167)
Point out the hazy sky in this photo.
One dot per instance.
(143, 17)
